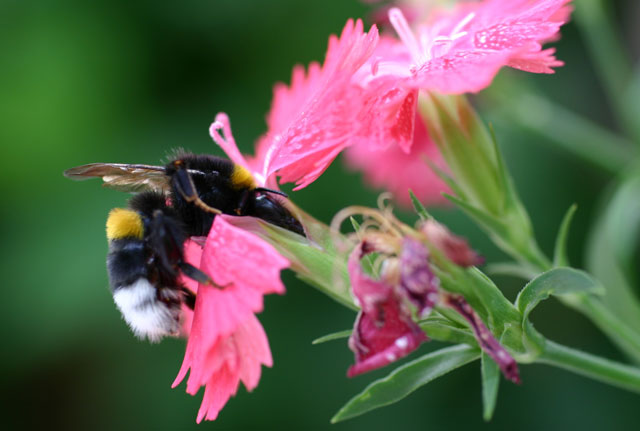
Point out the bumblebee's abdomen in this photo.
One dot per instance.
(126, 262)
(146, 315)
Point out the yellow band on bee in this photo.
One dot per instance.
(241, 178)
(123, 223)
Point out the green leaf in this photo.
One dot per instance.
(406, 379)
(560, 252)
(335, 336)
(490, 373)
(420, 209)
(558, 281)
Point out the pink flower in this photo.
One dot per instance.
(383, 331)
(227, 344)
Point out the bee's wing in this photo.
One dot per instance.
(123, 177)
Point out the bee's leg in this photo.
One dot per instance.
(189, 297)
(244, 202)
(165, 239)
(195, 274)
(184, 184)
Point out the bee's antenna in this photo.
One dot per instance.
(275, 192)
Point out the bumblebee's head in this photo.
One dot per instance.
(123, 223)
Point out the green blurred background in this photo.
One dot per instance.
(118, 81)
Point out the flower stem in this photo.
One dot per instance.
(588, 365)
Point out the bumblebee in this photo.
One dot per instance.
(146, 240)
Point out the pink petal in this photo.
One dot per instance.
(462, 71)
(234, 359)
(382, 167)
(536, 62)
(233, 255)
(311, 121)
(387, 116)
(378, 341)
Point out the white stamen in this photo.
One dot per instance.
(462, 24)
(401, 26)
(428, 46)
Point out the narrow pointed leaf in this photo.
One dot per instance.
(406, 379)
(335, 336)
(490, 383)
(420, 209)
(560, 252)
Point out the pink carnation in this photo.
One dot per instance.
(226, 342)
